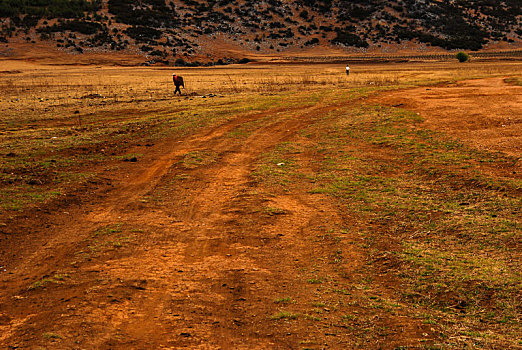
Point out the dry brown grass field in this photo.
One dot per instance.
(269, 207)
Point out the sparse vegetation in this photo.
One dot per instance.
(336, 217)
(173, 28)
(286, 300)
(284, 315)
(55, 279)
(48, 8)
(52, 336)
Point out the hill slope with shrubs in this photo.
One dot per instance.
(173, 31)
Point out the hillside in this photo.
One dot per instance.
(182, 31)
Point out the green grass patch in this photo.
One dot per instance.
(196, 159)
(314, 280)
(284, 315)
(273, 211)
(453, 226)
(51, 336)
(278, 167)
(311, 317)
(55, 279)
(15, 198)
(108, 230)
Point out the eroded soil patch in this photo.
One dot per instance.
(487, 113)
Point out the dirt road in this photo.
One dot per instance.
(186, 249)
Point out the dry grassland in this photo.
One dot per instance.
(48, 107)
(270, 206)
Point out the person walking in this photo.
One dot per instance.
(347, 70)
(178, 81)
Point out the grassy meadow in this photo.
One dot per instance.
(57, 121)
(426, 209)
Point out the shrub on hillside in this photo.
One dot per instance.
(143, 34)
(82, 27)
(180, 62)
(48, 8)
(311, 42)
(151, 13)
(462, 56)
(348, 39)
(157, 53)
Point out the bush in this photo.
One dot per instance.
(157, 53)
(48, 8)
(311, 42)
(149, 13)
(143, 34)
(462, 56)
(82, 27)
(349, 39)
(180, 62)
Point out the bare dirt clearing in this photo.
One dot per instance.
(275, 218)
(486, 113)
